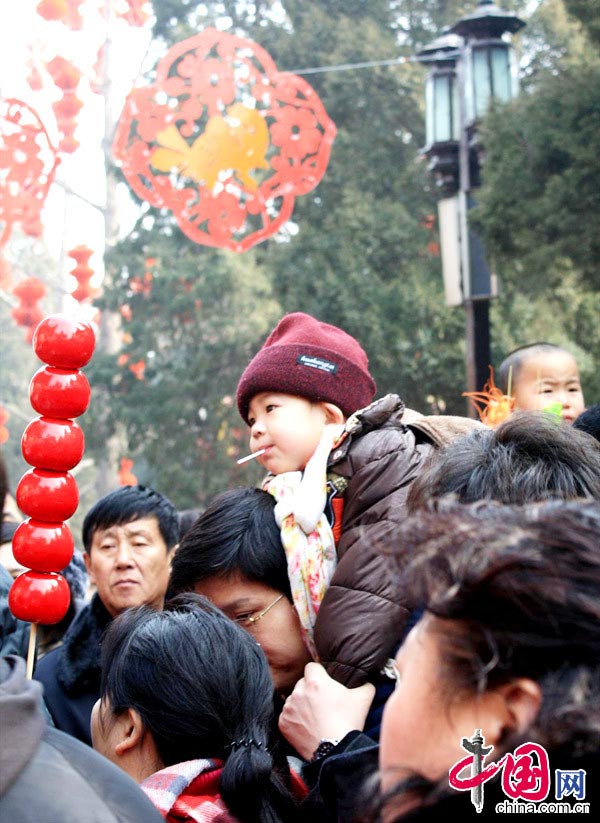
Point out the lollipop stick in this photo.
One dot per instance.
(31, 650)
(251, 456)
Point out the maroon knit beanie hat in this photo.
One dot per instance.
(311, 359)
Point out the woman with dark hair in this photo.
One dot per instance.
(186, 709)
(529, 457)
(233, 555)
(506, 653)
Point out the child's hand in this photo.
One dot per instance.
(320, 707)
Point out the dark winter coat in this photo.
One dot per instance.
(14, 634)
(362, 619)
(47, 776)
(71, 673)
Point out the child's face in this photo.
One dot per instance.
(546, 378)
(289, 427)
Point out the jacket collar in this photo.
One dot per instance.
(371, 417)
(79, 655)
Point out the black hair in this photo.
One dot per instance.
(514, 360)
(200, 683)
(518, 588)
(511, 592)
(589, 421)
(529, 457)
(128, 503)
(237, 533)
(187, 518)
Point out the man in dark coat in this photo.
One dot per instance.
(128, 537)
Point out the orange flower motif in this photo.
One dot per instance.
(141, 285)
(138, 369)
(492, 405)
(122, 359)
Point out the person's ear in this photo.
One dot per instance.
(130, 731)
(333, 414)
(521, 699)
(88, 565)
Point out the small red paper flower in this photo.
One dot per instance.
(224, 140)
(126, 476)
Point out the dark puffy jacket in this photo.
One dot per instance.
(362, 618)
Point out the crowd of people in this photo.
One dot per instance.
(401, 623)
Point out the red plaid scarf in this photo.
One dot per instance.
(189, 791)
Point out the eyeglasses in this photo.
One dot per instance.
(248, 620)
(392, 671)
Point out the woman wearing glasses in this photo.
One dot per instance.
(233, 555)
(186, 709)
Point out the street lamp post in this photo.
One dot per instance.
(470, 65)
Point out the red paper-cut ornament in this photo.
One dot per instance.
(65, 75)
(136, 13)
(224, 140)
(28, 162)
(73, 18)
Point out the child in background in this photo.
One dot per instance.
(543, 377)
(340, 467)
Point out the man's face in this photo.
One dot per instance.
(129, 565)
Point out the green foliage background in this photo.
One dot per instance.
(358, 252)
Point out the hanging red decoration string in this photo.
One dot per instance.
(66, 76)
(82, 273)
